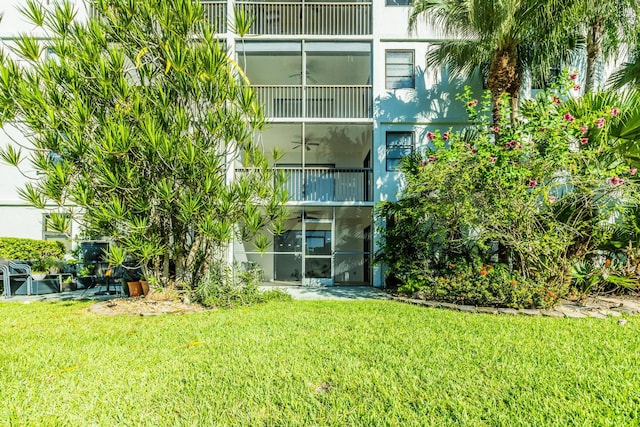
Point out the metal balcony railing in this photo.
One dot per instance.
(327, 184)
(312, 18)
(318, 101)
(216, 13)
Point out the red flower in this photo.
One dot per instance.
(431, 136)
(556, 100)
(584, 140)
(445, 136)
(533, 183)
(616, 181)
(568, 117)
(432, 158)
(423, 163)
(573, 75)
(472, 103)
(474, 150)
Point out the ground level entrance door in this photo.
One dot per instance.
(321, 246)
(318, 252)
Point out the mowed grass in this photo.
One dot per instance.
(319, 363)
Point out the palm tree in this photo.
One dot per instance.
(502, 38)
(607, 27)
(629, 74)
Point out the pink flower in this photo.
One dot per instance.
(494, 159)
(552, 199)
(616, 181)
(431, 136)
(568, 117)
(496, 129)
(474, 150)
(615, 112)
(556, 100)
(584, 129)
(432, 158)
(472, 103)
(533, 183)
(577, 87)
(573, 75)
(584, 140)
(423, 163)
(600, 123)
(446, 135)
(519, 147)
(633, 171)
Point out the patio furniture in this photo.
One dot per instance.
(16, 278)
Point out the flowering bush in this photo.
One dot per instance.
(529, 198)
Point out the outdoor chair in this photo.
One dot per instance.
(16, 278)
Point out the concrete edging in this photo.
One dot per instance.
(619, 308)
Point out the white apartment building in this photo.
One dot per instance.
(347, 94)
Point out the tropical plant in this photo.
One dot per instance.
(135, 120)
(607, 27)
(531, 205)
(628, 74)
(502, 39)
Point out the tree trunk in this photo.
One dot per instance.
(503, 74)
(595, 33)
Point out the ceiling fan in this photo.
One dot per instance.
(307, 143)
(309, 78)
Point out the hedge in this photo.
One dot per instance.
(29, 249)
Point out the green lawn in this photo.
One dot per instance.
(315, 363)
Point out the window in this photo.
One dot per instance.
(399, 145)
(398, 2)
(399, 69)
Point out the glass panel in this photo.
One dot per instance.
(399, 83)
(291, 239)
(273, 66)
(338, 64)
(399, 70)
(399, 57)
(287, 137)
(353, 269)
(263, 262)
(338, 145)
(353, 225)
(318, 238)
(318, 268)
(324, 213)
(288, 267)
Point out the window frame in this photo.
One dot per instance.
(394, 165)
(398, 3)
(399, 79)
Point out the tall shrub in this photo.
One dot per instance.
(136, 120)
(520, 211)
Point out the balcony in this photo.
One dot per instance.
(317, 101)
(319, 184)
(216, 14)
(308, 18)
